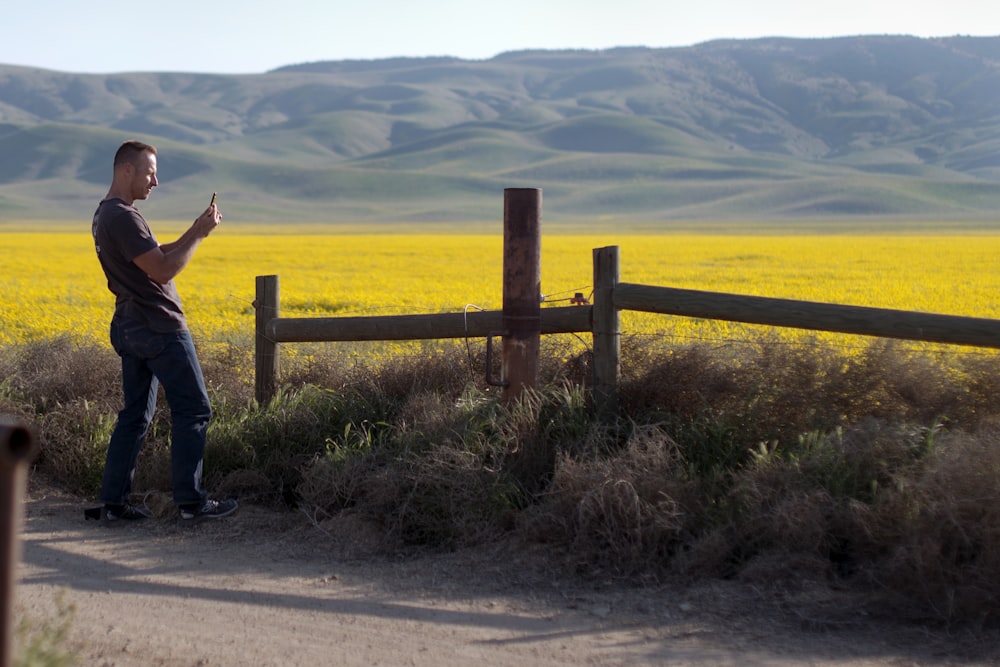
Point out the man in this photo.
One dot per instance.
(150, 334)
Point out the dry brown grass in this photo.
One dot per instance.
(936, 539)
(762, 461)
(68, 393)
(622, 513)
(50, 372)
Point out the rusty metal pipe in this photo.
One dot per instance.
(522, 289)
(17, 448)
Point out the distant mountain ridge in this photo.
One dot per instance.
(879, 126)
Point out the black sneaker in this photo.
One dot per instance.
(210, 509)
(126, 512)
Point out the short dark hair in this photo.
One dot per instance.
(130, 150)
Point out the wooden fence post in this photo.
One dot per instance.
(266, 355)
(522, 289)
(607, 332)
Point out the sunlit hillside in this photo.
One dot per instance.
(886, 127)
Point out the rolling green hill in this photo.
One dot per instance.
(880, 126)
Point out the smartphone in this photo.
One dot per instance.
(213, 199)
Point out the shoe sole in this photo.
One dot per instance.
(101, 516)
(207, 517)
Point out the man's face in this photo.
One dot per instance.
(144, 175)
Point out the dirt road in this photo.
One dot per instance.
(270, 589)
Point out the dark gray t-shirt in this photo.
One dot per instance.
(120, 235)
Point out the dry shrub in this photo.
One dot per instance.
(68, 393)
(681, 381)
(331, 483)
(814, 500)
(529, 432)
(781, 525)
(450, 496)
(317, 366)
(974, 392)
(913, 510)
(889, 381)
(229, 371)
(429, 415)
(380, 472)
(74, 439)
(16, 410)
(810, 387)
(561, 360)
(449, 473)
(59, 370)
(730, 460)
(444, 495)
(796, 522)
(623, 514)
(768, 390)
(250, 486)
(430, 418)
(776, 390)
(444, 369)
(936, 540)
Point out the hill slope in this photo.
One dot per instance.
(772, 128)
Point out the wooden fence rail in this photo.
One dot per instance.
(273, 329)
(602, 320)
(475, 324)
(611, 296)
(865, 321)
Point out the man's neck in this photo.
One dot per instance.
(119, 193)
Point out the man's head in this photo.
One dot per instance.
(135, 170)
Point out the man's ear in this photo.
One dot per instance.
(125, 169)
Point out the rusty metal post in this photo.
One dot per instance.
(16, 450)
(522, 289)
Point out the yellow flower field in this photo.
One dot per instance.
(52, 284)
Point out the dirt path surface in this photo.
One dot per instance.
(268, 588)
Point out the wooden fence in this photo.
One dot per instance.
(602, 320)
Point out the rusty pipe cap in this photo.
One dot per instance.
(16, 443)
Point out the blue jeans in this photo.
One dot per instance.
(148, 360)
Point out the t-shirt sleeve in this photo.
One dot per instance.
(130, 234)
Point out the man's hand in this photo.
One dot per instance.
(207, 221)
(163, 263)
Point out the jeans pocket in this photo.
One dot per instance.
(132, 338)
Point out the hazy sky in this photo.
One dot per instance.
(230, 36)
